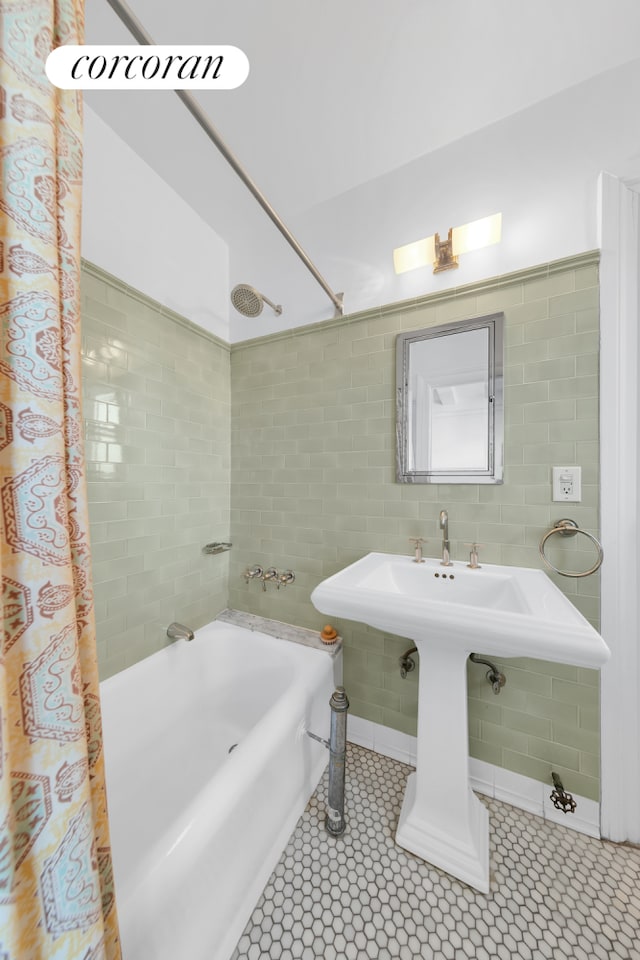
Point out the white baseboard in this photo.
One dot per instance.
(384, 740)
(487, 779)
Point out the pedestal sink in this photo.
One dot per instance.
(449, 612)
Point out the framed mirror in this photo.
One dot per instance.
(450, 403)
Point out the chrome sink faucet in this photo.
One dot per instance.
(446, 546)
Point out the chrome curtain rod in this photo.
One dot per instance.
(134, 26)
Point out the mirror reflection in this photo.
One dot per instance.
(450, 412)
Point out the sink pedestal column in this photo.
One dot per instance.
(441, 819)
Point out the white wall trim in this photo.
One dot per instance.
(486, 778)
(619, 207)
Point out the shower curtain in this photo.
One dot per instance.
(56, 888)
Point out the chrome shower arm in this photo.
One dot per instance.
(134, 26)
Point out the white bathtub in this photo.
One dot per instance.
(196, 830)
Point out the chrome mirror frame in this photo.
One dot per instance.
(405, 472)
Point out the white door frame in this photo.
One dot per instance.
(619, 207)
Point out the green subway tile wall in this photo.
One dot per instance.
(311, 442)
(313, 488)
(157, 422)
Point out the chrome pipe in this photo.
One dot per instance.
(134, 26)
(335, 823)
(407, 663)
(494, 676)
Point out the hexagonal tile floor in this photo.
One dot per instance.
(554, 894)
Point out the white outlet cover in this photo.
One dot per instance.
(567, 484)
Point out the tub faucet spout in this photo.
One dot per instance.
(446, 546)
(178, 631)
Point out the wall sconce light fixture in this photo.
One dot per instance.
(443, 254)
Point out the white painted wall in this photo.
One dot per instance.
(539, 167)
(139, 229)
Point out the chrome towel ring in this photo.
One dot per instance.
(569, 528)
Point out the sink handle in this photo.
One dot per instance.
(284, 578)
(252, 572)
(474, 559)
(417, 542)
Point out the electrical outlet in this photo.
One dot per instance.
(567, 484)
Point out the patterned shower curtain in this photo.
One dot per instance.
(56, 888)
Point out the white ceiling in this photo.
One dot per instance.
(344, 92)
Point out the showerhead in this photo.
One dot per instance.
(249, 302)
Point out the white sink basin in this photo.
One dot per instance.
(450, 612)
(505, 611)
(431, 583)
